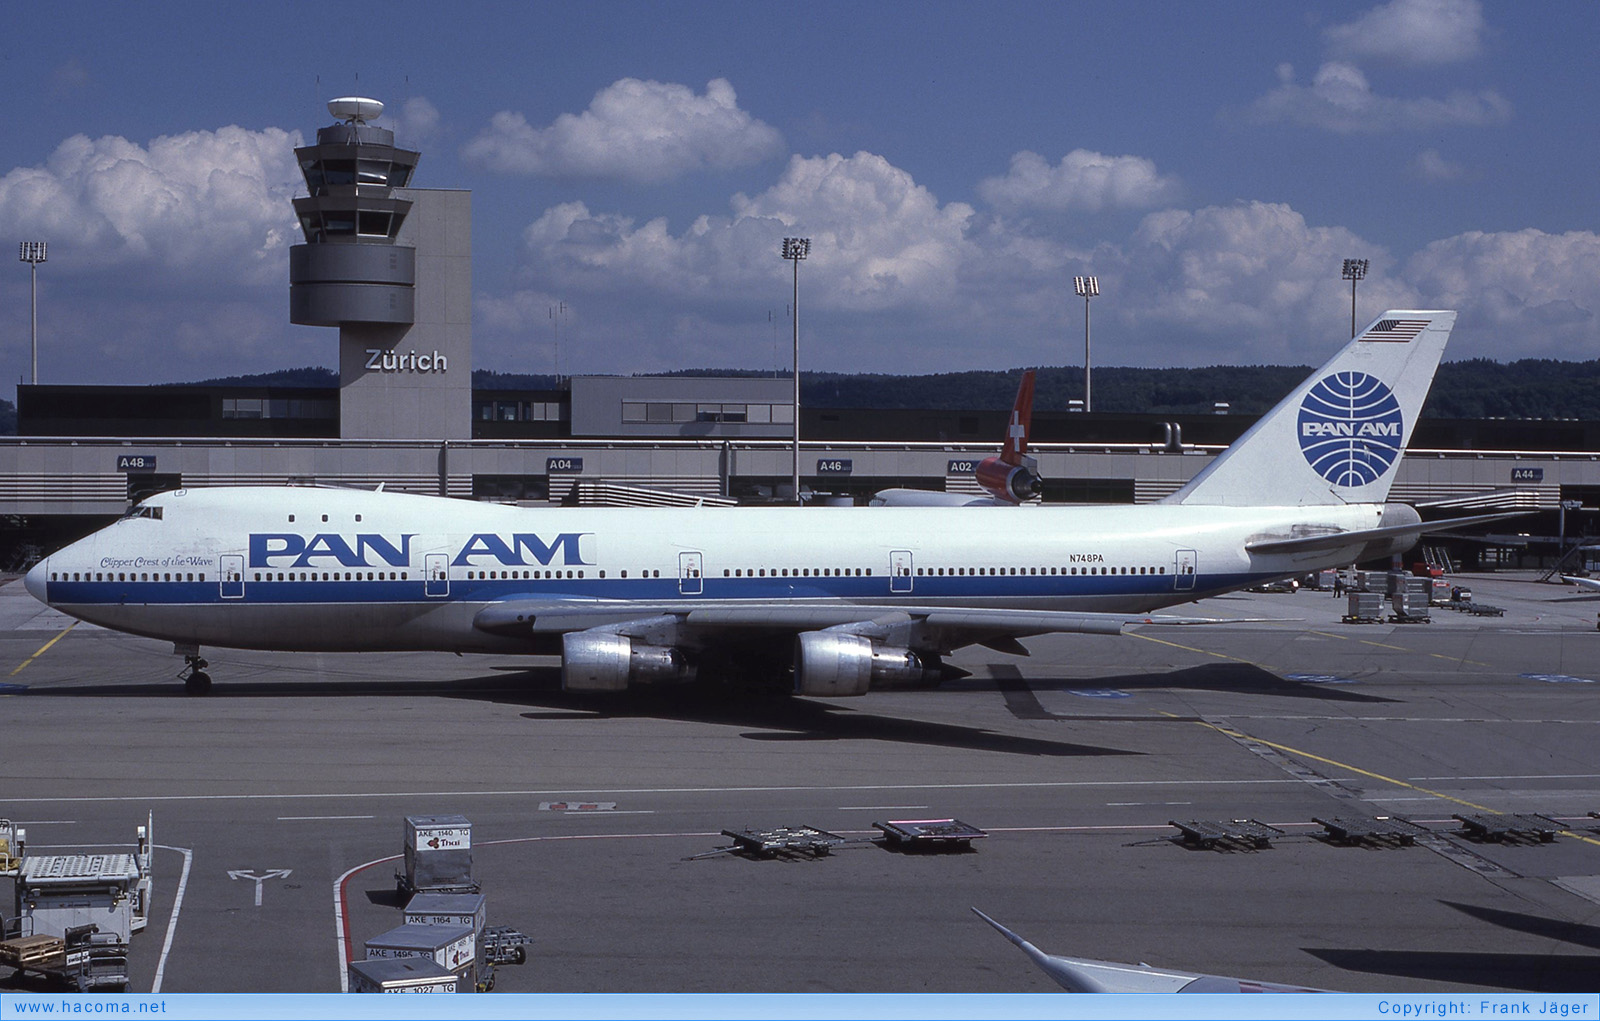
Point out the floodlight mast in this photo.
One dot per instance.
(795, 250)
(1354, 269)
(1087, 287)
(33, 253)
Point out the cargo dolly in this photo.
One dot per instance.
(928, 834)
(1491, 826)
(1382, 831)
(504, 945)
(781, 842)
(1208, 833)
(83, 959)
(809, 841)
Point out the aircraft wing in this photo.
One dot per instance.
(1358, 537)
(930, 498)
(950, 627)
(1585, 582)
(1082, 975)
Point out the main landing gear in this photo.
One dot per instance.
(195, 679)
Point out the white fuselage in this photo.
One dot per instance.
(345, 570)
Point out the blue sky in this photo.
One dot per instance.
(955, 164)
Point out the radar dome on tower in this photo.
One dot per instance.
(355, 109)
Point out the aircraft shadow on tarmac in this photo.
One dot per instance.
(1540, 973)
(1537, 973)
(780, 717)
(1236, 678)
(775, 716)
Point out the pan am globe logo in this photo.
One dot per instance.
(1350, 428)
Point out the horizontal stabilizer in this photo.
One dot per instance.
(1360, 537)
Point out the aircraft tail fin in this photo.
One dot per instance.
(1016, 445)
(1338, 437)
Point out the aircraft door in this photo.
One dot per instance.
(1183, 570)
(900, 570)
(231, 575)
(436, 575)
(690, 581)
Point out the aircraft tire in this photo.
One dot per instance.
(197, 683)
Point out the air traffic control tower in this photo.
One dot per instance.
(391, 267)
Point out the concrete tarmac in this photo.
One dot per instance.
(1074, 760)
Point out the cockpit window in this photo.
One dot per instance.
(143, 511)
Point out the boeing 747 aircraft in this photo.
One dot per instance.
(834, 600)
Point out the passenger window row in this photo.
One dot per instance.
(124, 576)
(332, 576)
(798, 572)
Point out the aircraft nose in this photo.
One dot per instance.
(35, 579)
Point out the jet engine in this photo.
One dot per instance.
(835, 665)
(600, 661)
(1014, 482)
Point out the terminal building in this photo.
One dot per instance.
(388, 265)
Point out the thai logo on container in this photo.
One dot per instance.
(1350, 428)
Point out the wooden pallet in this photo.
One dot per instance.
(27, 951)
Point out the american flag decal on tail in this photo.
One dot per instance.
(1395, 331)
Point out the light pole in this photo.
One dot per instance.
(1087, 287)
(1354, 269)
(796, 249)
(33, 253)
(558, 312)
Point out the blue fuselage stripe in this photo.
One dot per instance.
(486, 590)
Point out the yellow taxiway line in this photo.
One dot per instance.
(1229, 732)
(43, 649)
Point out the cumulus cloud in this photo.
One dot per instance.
(633, 131)
(1340, 99)
(1411, 32)
(418, 123)
(1523, 293)
(878, 239)
(1430, 166)
(213, 203)
(1253, 270)
(899, 280)
(1083, 180)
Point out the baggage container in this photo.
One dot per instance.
(401, 975)
(452, 947)
(447, 909)
(438, 854)
(1365, 606)
(1411, 606)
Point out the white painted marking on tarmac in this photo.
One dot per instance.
(340, 929)
(320, 818)
(1558, 678)
(270, 874)
(1521, 776)
(44, 822)
(177, 906)
(881, 808)
(366, 795)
